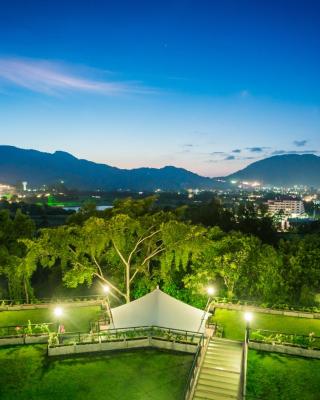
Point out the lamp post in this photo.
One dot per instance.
(210, 291)
(58, 312)
(248, 318)
(106, 290)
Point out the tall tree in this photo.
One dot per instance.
(116, 250)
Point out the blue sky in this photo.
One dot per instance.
(206, 85)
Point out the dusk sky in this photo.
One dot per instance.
(210, 86)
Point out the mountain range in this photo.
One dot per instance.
(40, 168)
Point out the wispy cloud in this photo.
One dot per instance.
(52, 78)
(300, 143)
(257, 149)
(230, 158)
(236, 151)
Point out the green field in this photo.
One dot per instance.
(74, 318)
(273, 376)
(234, 325)
(27, 373)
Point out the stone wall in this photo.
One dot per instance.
(121, 345)
(240, 307)
(20, 307)
(36, 339)
(291, 350)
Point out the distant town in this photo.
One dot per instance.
(290, 208)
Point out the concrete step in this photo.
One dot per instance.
(226, 380)
(223, 355)
(216, 397)
(212, 396)
(218, 383)
(234, 367)
(217, 389)
(229, 375)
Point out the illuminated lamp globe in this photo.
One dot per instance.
(58, 311)
(106, 288)
(210, 291)
(248, 316)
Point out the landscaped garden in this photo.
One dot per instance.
(273, 376)
(74, 319)
(26, 373)
(233, 323)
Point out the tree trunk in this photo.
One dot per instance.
(26, 290)
(128, 283)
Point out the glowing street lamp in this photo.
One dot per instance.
(106, 289)
(210, 291)
(248, 318)
(58, 312)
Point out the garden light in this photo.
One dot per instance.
(210, 291)
(248, 316)
(58, 311)
(106, 288)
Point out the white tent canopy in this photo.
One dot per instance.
(160, 309)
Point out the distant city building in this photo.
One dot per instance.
(288, 207)
(6, 190)
(24, 185)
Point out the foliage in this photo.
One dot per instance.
(308, 341)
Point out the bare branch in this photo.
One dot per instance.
(119, 254)
(97, 264)
(153, 254)
(134, 274)
(141, 240)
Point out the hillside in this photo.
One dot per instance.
(284, 170)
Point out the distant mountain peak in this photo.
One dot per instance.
(64, 154)
(283, 170)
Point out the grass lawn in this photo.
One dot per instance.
(234, 325)
(74, 318)
(273, 376)
(27, 373)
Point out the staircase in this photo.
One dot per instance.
(219, 377)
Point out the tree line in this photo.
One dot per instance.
(136, 246)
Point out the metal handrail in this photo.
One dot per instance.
(243, 378)
(122, 331)
(20, 332)
(192, 371)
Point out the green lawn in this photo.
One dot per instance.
(234, 325)
(273, 376)
(74, 318)
(27, 373)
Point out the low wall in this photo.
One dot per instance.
(8, 341)
(121, 345)
(240, 307)
(278, 348)
(49, 305)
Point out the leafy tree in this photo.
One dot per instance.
(116, 250)
(13, 264)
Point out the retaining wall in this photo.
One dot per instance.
(278, 348)
(121, 345)
(50, 305)
(7, 341)
(240, 307)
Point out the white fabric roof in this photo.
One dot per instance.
(158, 308)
